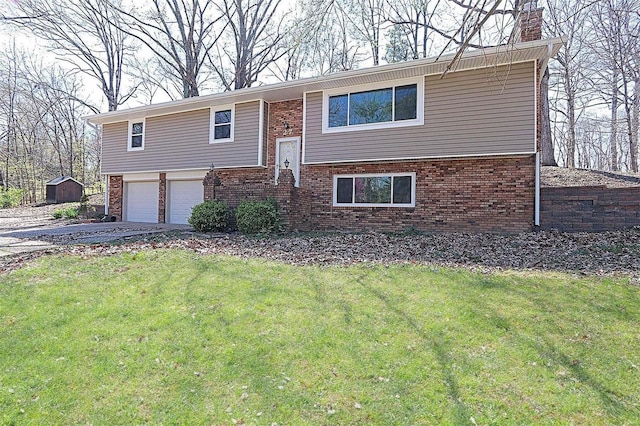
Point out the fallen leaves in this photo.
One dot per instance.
(604, 253)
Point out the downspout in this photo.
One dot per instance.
(106, 195)
(537, 195)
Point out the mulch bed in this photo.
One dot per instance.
(603, 253)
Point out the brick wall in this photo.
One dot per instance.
(478, 195)
(531, 24)
(293, 203)
(589, 208)
(162, 197)
(282, 115)
(115, 197)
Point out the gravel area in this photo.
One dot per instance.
(605, 253)
(561, 176)
(31, 217)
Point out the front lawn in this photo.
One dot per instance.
(170, 336)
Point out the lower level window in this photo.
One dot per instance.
(367, 190)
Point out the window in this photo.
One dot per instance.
(379, 107)
(378, 190)
(136, 135)
(221, 124)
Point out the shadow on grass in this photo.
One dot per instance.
(436, 341)
(613, 402)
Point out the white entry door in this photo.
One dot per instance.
(288, 156)
(183, 195)
(141, 202)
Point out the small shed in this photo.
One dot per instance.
(64, 189)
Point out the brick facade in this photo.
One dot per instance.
(285, 121)
(478, 195)
(115, 197)
(293, 202)
(531, 24)
(162, 198)
(530, 29)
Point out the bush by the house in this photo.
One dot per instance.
(11, 198)
(68, 213)
(257, 217)
(210, 216)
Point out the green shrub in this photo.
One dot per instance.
(11, 198)
(68, 213)
(258, 217)
(210, 216)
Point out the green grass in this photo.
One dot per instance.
(173, 337)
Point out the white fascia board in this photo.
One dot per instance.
(141, 177)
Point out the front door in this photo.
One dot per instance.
(288, 157)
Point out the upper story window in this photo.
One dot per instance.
(136, 135)
(221, 129)
(401, 104)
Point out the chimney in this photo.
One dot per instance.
(531, 22)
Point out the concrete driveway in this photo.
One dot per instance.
(33, 228)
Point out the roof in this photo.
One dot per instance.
(481, 58)
(61, 179)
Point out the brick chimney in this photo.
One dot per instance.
(530, 22)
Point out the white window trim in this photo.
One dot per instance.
(361, 175)
(130, 134)
(418, 121)
(212, 123)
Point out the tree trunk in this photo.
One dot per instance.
(614, 124)
(571, 115)
(548, 155)
(635, 121)
(633, 146)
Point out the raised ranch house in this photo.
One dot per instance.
(387, 148)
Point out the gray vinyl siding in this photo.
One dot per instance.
(181, 141)
(478, 112)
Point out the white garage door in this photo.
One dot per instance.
(141, 202)
(183, 195)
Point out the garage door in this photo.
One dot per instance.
(183, 195)
(141, 202)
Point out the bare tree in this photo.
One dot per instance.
(45, 136)
(618, 25)
(84, 33)
(254, 33)
(180, 34)
(572, 62)
(367, 19)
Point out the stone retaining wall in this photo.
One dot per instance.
(589, 208)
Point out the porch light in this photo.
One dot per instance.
(212, 166)
(286, 163)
